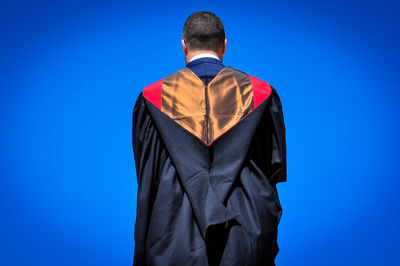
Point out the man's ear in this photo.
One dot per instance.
(224, 47)
(184, 45)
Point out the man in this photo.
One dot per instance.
(209, 147)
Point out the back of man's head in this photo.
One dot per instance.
(203, 30)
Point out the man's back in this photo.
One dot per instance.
(209, 150)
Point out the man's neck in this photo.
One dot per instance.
(203, 54)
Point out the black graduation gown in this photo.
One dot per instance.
(202, 203)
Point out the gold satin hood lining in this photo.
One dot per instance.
(207, 111)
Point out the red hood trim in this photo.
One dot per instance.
(153, 93)
(261, 90)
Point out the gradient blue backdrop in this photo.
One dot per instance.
(70, 72)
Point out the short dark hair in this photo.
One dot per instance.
(203, 30)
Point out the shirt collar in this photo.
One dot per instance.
(204, 55)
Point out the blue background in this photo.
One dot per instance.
(70, 72)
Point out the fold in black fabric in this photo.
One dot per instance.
(208, 205)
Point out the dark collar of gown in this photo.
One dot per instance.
(206, 68)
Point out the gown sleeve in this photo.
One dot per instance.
(143, 135)
(277, 134)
